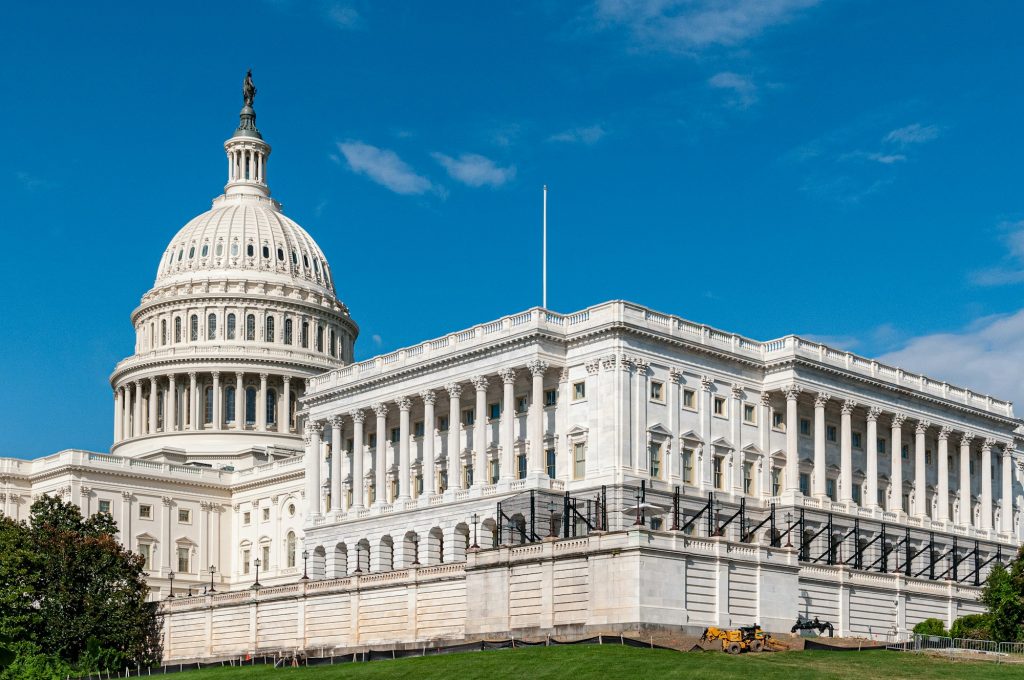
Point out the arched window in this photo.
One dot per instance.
(250, 250)
(291, 544)
(231, 326)
(319, 338)
(280, 254)
(271, 406)
(205, 250)
(208, 405)
(163, 331)
(229, 404)
(211, 327)
(287, 331)
(334, 343)
(177, 329)
(266, 252)
(193, 328)
(250, 405)
(305, 335)
(250, 327)
(269, 335)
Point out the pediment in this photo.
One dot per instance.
(659, 430)
(691, 436)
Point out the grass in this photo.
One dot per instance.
(607, 662)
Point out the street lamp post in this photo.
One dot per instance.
(476, 520)
(551, 520)
(213, 570)
(789, 530)
(359, 565)
(305, 563)
(639, 512)
(415, 550)
(256, 583)
(170, 575)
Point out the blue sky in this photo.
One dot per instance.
(846, 170)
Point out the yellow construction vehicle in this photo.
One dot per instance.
(735, 641)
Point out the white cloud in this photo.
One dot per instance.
(582, 135)
(688, 25)
(343, 16)
(987, 356)
(1012, 268)
(742, 87)
(887, 158)
(377, 340)
(384, 167)
(913, 134)
(475, 170)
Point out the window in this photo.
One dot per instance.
(229, 404)
(495, 470)
(163, 331)
(319, 338)
(247, 518)
(687, 466)
(146, 511)
(304, 335)
(266, 252)
(442, 423)
(280, 254)
(830, 432)
(579, 457)
(880, 445)
(468, 417)
(522, 405)
(856, 440)
(905, 451)
(776, 481)
(269, 335)
(265, 514)
(208, 405)
(579, 391)
(654, 459)
(719, 408)
(177, 329)
(550, 397)
(550, 458)
(371, 440)
(220, 249)
(246, 560)
(856, 493)
(830, 488)
(690, 400)
(396, 435)
(290, 544)
(146, 550)
(717, 476)
(287, 331)
(193, 328)
(467, 476)
(250, 405)
(104, 507)
(778, 422)
(657, 390)
(520, 466)
(211, 327)
(493, 411)
(184, 516)
(749, 414)
(805, 483)
(748, 478)
(265, 549)
(418, 428)
(927, 456)
(191, 252)
(231, 327)
(234, 249)
(250, 327)
(205, 250)
(183, 561)
(805, 427)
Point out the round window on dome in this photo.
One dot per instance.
(181, 253)
(205, 250)
(234, 249)
(191, 252)
(305, 262)
(220, 249)
(316, 265)
(266, 252)
(250, 250)
(295, 258)
(280, 254)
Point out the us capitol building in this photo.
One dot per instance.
(608, 470)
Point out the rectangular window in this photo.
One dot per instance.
(265, 514)
(396, 435)
(856, 493)
(688, 466)
(830, 432)
(748, 478)
(905, 451)
(183, 565)
(805, 483)
(927, 456)
(493, 411)
(579, 456)
(579, 391)
(522, 405)
(855, 439)
(371, 440)
(265, 549)
(417, 428)
(654, 455)
(550, 459)
(442, 423)
(778, 422)
(146, 550)
(495, 471)
(717, 476)
(880, 445)
(805, 427)
(246, 518)
(749, 414)
(467, 476)
(550, 397)
(184, 515)
(776, 481)
(468, 417)
(104, 507)
(719, 409)
(830, 488)
(520, 466)
(657, 391)
(145, 512)
(690, 400)
(246, 560)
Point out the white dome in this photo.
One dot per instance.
(245, 235)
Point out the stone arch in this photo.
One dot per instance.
(435, 552)
(317, 563)
(460, 542)
(489, 533)
(408, 551)
(362, 556)
(384, 555)
(339, 560)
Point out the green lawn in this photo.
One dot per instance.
(607, 661)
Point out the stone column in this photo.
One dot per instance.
(137, 429)
(454, 459)
(380, 464)
(1006, 498)
(942, 488)
(126, 416)
(792, 439)
(239, 401)
(404, 468)
(673, 467)
(508, 424)
(641, 459)
(536, 418)
(920, 470)
(896, 473)
(986, 484)
(358, 458)
(261, 404)
(218, 400)
(480, 476)
(154, 395)
(429, 421)
(337, 455)
(966, 516)
(871, 454)
(284, 421)
(312, 441)
(171, 407)
(820, 464)
(165, 542)
(736, 435)
(193, 402)
(846, 452)
(118, 414)
(764, 429)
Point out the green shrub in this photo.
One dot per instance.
(974, 626)
(931, 627)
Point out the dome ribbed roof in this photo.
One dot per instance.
(245, 236)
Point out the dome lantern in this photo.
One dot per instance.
(247, 152)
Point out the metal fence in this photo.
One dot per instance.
(951, 645)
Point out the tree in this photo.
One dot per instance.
(931, 627)
(1003, 595)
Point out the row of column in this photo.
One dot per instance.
(131, 398)
(238, 159)
(314, 432)
(895, 498)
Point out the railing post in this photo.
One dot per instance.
(885, 552)
(675, 509)
(533, 516)
(775, 542)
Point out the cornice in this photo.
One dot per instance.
(160, 366)
(92, 472)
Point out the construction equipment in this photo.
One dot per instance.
(737, 640)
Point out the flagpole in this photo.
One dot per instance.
(544, 303)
